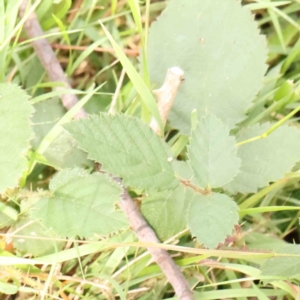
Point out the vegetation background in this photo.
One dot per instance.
(261, 260)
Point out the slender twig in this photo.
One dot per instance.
(48, 58)
(143, 231)
(166, 94)
(146, 234)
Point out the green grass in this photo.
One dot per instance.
(119, 267)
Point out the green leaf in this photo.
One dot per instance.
(288, 266)
(63, 178)
(218, 46)
(15, 132)
(127, 147)
(8, 288)
(8, 214)
(262, 241)
(212, 153)
(166, 211)
(41, 241)
(81, 205)
(183, 170)
(5, 220)
(63, 152)
(212, 218)
(267, 159)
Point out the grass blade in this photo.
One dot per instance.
(136, 79)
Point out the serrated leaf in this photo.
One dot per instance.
(15, 132)
(81, 205)
(212, 153)
(63, 178)
(166, 211)
(127, 147)
(288, 266)
(267, 159)
(218, 46)
(212, 218)
(41, 241)
(63, 152)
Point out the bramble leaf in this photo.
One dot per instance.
(63, 178)
(166, 211)
(212, 153)
(183, 170)
(218, 46)
(285, 266)
(42, 241)
(81, 205)
(8, 214)
(63, 152)
(212, 218)
(15, 131)
(127, 147)
(266, 159)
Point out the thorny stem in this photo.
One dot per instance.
(143, 231)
